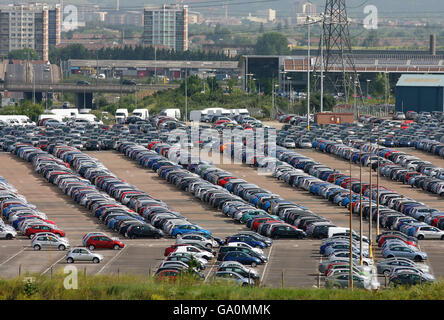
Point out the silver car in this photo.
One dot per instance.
(387, 265)
(49, 241)
(82, 254)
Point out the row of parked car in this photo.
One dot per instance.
(249, 203)
(431, 146)
(409, 169)
(82, 191)
(143, 208)
(15, 210)
(238, 251)
(422, 221)
(335, 186)
(401, 264)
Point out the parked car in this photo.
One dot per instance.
(103, 242)
(234, 276)
(82, 254)
(48, 241)
(242, 257)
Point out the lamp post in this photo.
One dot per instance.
(350, 277)
(360, 205)
(248, 81)
(308, 74)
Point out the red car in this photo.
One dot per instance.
(103, 242)
(37, 228)
(173, 248)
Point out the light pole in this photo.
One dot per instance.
(370, 248)
(322, 70)
(248, 81)
(289, 91)
(350, 277)
(308, 74)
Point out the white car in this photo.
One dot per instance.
(195, 238)
(252, 271)
(7, 232)
(245, 245)
(196, 252)
(187, 254)
(428, 232)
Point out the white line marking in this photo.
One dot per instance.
(266, 265)
(112, 259)
(12, 257)
(52, 266)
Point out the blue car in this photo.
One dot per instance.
(248, 240)
(188, 228)
(242, 257)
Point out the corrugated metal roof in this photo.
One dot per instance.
(421, 80)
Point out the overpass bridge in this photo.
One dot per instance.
(84, 93)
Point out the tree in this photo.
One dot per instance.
(315, 102)
(371, 40)
(379, 85)
(272, 43)
(24, 54)
(261, 28)
(194, 85)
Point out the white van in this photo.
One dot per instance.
(173, 113)
(140, 113)
(89, 117)
(121, 115)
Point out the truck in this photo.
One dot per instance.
(121, 115)
(88, 117)
(141, 113)
(173, 113)
(65, 112)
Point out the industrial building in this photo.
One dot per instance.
(420, 93)
(290, 72)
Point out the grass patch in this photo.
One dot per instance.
(135, 287)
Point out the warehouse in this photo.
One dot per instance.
(420, 93)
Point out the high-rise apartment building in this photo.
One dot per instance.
(33, 25)
(166, 27)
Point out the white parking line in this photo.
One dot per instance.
(49, 268)
(12, 257)
(266, 265)
(112, 259)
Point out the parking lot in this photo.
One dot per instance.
(291, 263)
(432, 247)
(16, 256)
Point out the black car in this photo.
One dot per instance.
(127, 82)
(143, 231)
(92, 145)
(287, 232)
(83, 83)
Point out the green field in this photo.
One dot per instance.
(131, 287)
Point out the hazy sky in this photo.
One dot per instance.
(391, 8)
